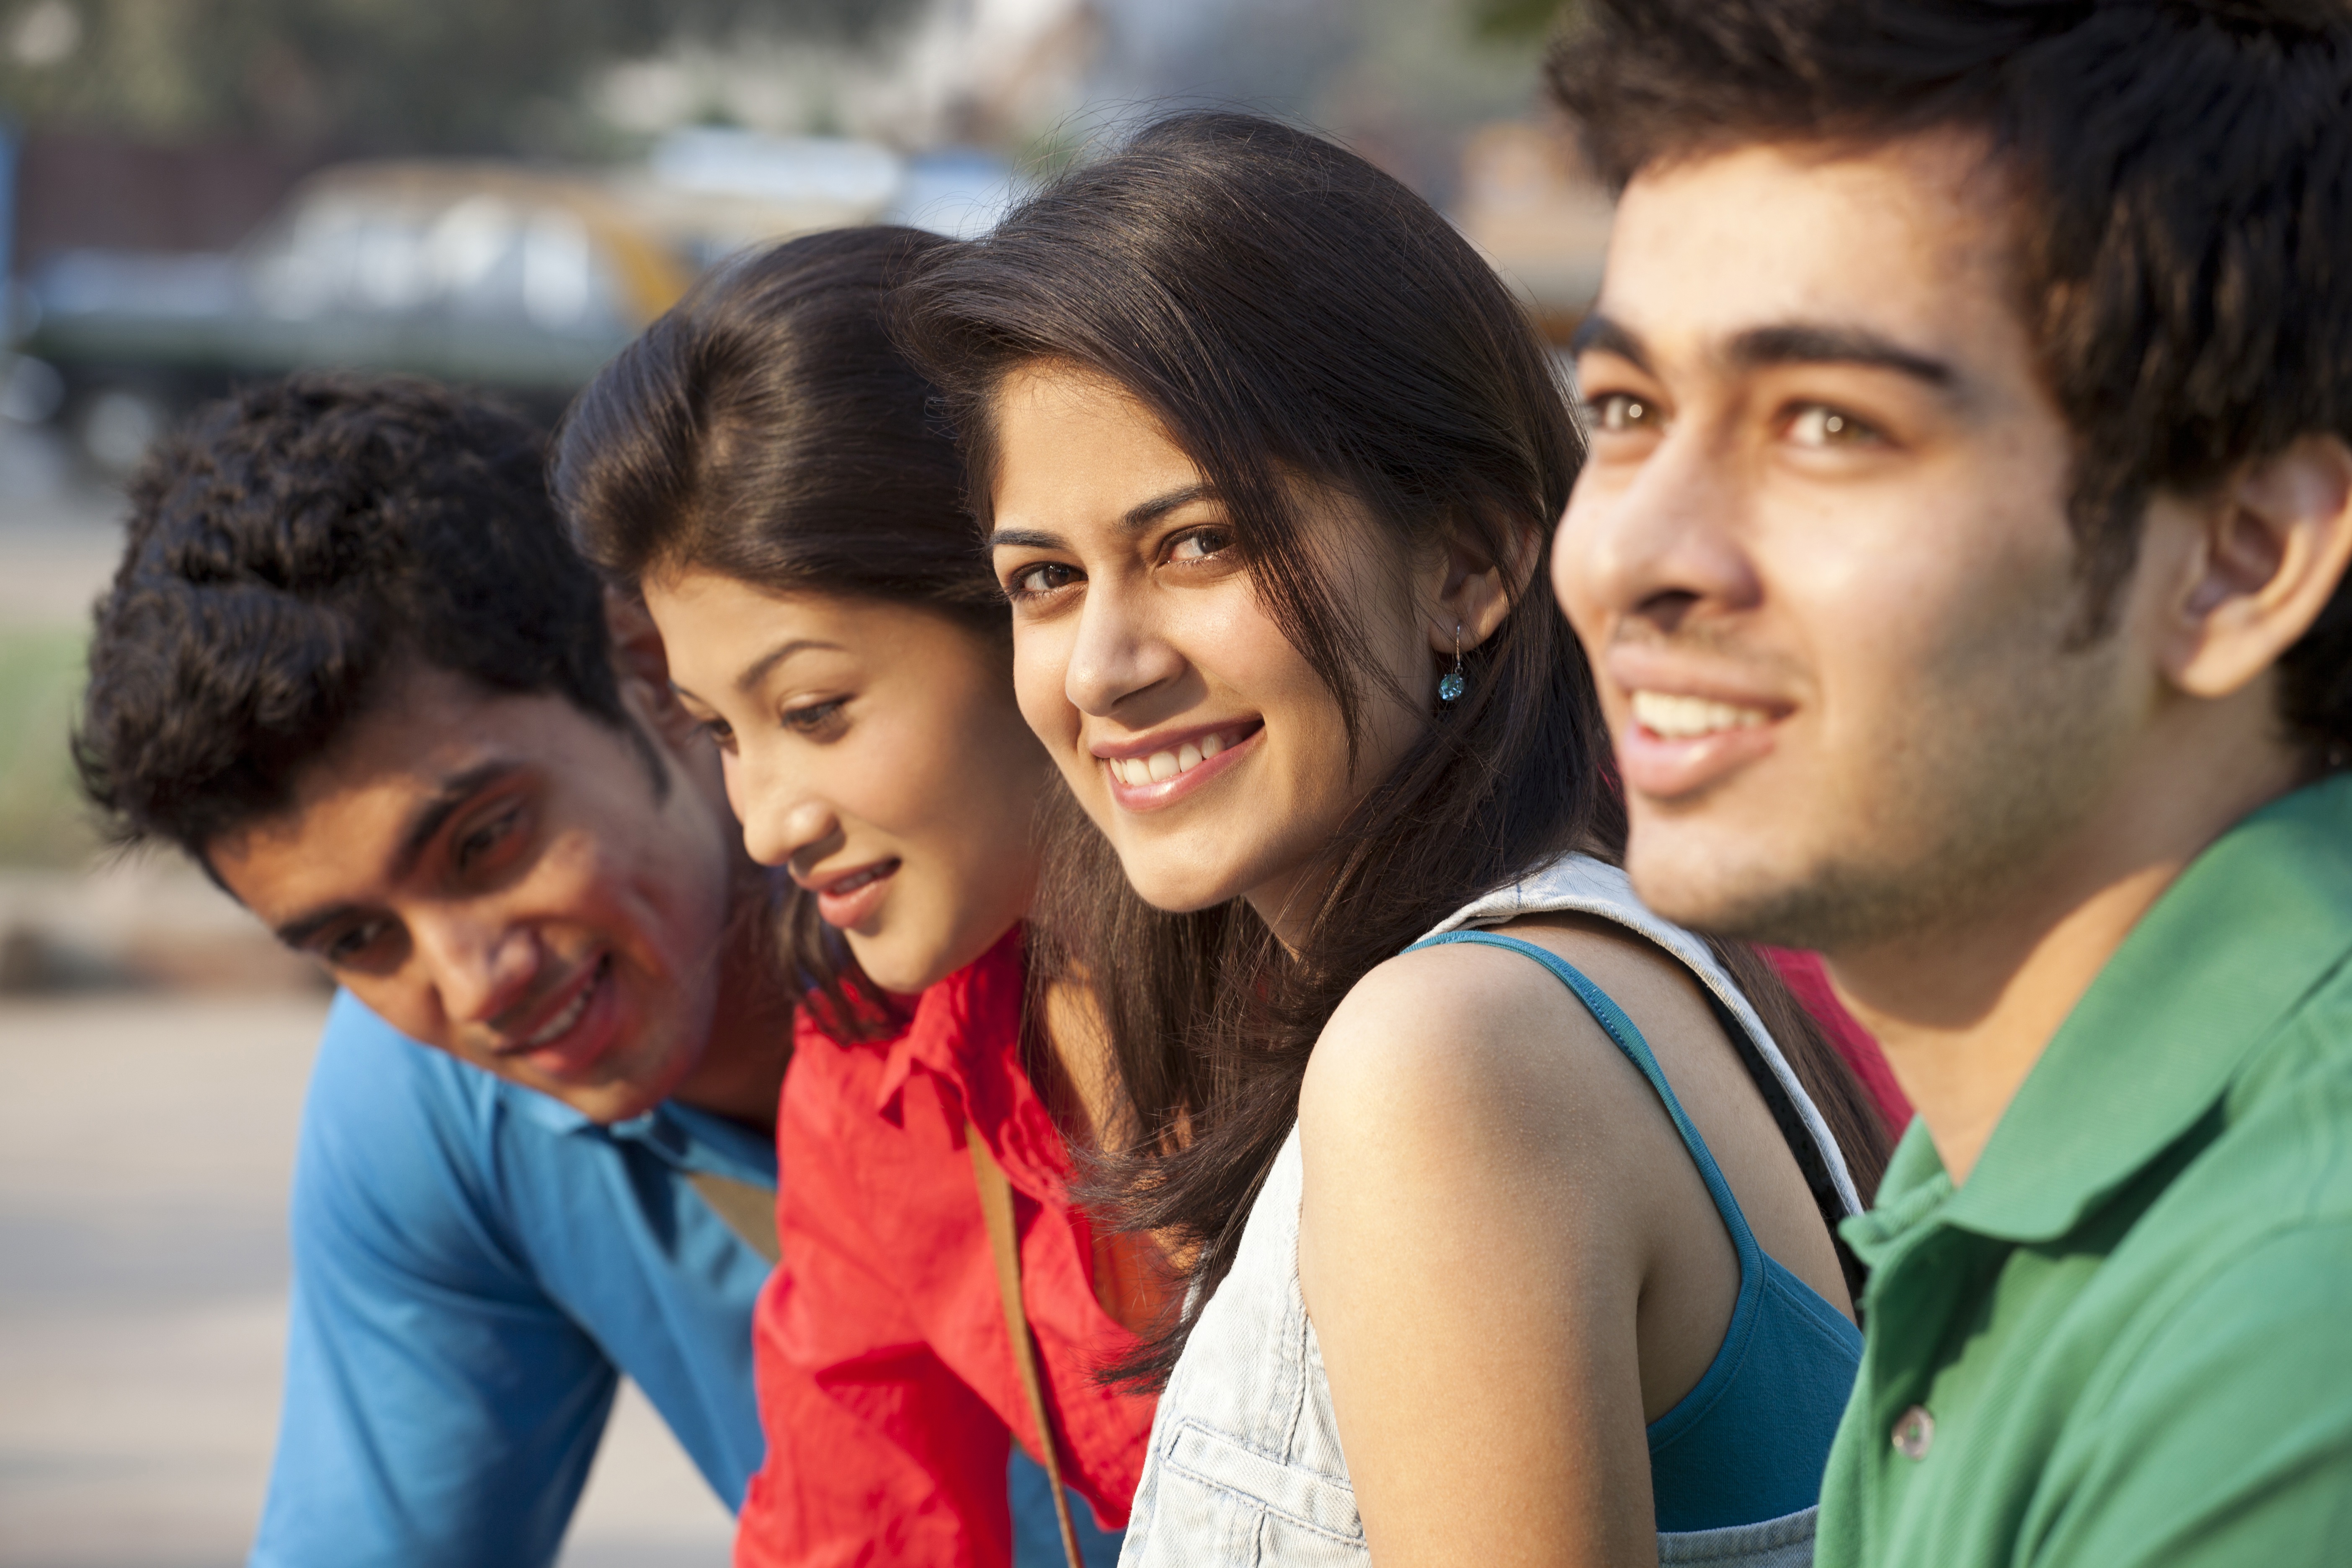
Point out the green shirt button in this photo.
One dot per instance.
(1915, 1430)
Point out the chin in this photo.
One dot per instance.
(606, 1103)
(1721, 895)
(1181, 889)
(1695, 886)
(898, 967)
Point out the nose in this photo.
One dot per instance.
(480, 963)
(1659, 544)
(781, 816)
(1118, 650)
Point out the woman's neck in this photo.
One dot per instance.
(1079, 1084)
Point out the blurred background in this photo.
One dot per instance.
(499, 192)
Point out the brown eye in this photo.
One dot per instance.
(1200, 544)
(812, 717)
(1046, 577)
(1620, 411)
(1818, 425)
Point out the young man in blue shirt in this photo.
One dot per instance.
(349, 663)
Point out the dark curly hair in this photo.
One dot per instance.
(2183, 253)
(289, 547)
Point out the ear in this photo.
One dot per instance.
(2268, 555)
(1475, 590)
(641, 665)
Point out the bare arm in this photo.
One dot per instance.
(1486, 1182)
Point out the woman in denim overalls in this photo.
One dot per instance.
(1515, 1247)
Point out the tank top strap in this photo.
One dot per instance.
(1620, 1028)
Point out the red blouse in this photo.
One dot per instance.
(885, 1379)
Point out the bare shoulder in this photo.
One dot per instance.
(1453, 1043)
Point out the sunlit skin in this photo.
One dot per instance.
(1147, 637)
(497, 877)
(1820, 556)
(1570, 1278)
(874, 751)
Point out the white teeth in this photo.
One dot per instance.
(1679, 718)
(1162, 766)
(561, 1025)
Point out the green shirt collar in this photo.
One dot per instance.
(2229, 950)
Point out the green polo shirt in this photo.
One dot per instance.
(2129, 1338)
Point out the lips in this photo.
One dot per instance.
(579, 1032)
(847, 899)
(1157, 770)
(1680, 742)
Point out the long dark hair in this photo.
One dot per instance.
(1293, 315)
(768, 429)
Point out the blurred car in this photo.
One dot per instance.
(514, 279)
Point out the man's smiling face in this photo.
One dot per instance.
(498, 876)
(1819, 553)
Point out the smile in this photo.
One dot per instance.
(1679, 718)
(578, 1034)
(1153, 774)
(850, 898)
(561, 1025)
(1680, 744)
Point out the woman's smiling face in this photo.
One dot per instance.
(872, 749)
(1197, 737)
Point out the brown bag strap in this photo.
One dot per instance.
(750, 1210)
(996, 1212)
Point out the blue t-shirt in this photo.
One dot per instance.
(475, 1266)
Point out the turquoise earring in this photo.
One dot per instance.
(1452, 685)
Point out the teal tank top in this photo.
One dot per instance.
(1750, 1441)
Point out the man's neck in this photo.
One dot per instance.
(741, 1072)
(1963, 1011)
(742, 1069)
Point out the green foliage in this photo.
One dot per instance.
(425, 75)
(1515, 21)
(43, 821)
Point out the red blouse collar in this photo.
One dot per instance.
(965, 1032)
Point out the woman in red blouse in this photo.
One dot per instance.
(760, 466)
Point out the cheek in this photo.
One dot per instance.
(1569, 544)
(1041, 664)
(1959, 604)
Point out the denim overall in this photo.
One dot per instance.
(1245, 1467)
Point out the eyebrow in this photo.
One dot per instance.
(1598, 333)
(1804, 344)
(1134, 519)
(427, 820)
(757, 670)
(1796, 343)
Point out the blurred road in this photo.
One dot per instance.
(146, 1144)
(144, 1149)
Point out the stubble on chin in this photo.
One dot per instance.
(1940, 832)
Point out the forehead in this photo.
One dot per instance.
(1909, 239)
(1070, 440)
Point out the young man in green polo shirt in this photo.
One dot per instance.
(1961, 555)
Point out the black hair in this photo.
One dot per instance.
(1298, 320)
(2181, 177)
(289, 550)
(767, 429)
